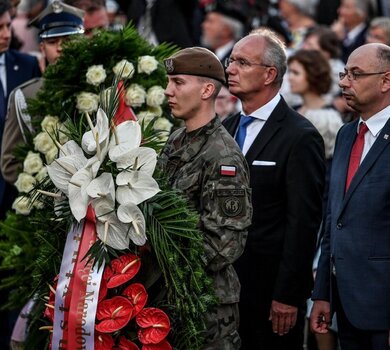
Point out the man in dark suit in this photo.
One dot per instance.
(15, 68)
(354, 268)
(285, 154)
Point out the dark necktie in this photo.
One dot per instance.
(356, 154)
(241, 133)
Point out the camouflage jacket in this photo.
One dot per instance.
(210, 170)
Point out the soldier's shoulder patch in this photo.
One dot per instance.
(231, 201)
(227, 170)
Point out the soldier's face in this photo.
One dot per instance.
(52, 48)
(5, 31)
(184, 93)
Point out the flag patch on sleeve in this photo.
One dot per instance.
(228, 170)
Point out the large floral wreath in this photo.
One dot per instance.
(109, 255)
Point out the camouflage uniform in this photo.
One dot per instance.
(195, 163)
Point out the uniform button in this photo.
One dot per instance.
(339, 225)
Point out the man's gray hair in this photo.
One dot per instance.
(383, 55)
(307, 7)
(235, 25)
(384, 24)
(275, 52)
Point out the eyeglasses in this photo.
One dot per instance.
(243, 63)
(354, 75)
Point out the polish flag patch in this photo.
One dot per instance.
(228, 170)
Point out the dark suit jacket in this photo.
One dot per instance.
(357, 233)
(19, 68)
(287, 206)
(359, 41)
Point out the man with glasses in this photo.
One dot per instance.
(354, 268)
(285, 154)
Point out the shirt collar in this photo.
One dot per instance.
(354, 32)
(222, 51)
(265, 111)
(376, 123)
(2, 59)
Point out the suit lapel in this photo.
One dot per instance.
(377, 148)
(270, 128)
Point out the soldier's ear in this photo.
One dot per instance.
(207, 90)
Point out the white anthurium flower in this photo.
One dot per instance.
(62, 169)
(130, 213)
(139, 159)
(94, 139)
(70, 148)
(135, 187)
(78, 188)
(102, 187)
(126, 136)
(109, 229)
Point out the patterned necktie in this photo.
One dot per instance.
(356, 154)
(241, 133)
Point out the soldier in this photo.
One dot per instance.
(56, 23)
(204, 162)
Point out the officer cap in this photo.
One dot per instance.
(59, 19)
(227, 9)
(195, 61)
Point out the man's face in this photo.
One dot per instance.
(349, 14)
(95, 20)
(184, 95)
(5, 32)
(377, 35)
(52, 48)
(215, 33)
(246, 75)
(364, 93)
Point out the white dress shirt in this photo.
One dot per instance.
(261, 115)
(3, 75)
(375, 124)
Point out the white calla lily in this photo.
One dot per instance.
(142, 159)
(95, 139)
(109, 229)
(102, 187)
(130, 213)
(135, 187)
(126, 136)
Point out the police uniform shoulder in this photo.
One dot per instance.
(28, 83)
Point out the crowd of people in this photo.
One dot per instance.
(303, 89)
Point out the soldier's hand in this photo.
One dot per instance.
(283, 317)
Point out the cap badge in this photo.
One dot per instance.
(57, 7)
(169, 65)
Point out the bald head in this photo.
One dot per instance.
(376, 55)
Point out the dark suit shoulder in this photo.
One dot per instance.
(21, 56)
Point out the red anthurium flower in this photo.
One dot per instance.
(103, 341)
(138, 296)
(154, 324)
(124, 269)
(164, 345)
(125, 344)
(114, 314)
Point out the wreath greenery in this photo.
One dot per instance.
(32, 249)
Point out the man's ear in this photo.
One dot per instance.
(272, 73)
(386, 82)
(207, 90)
